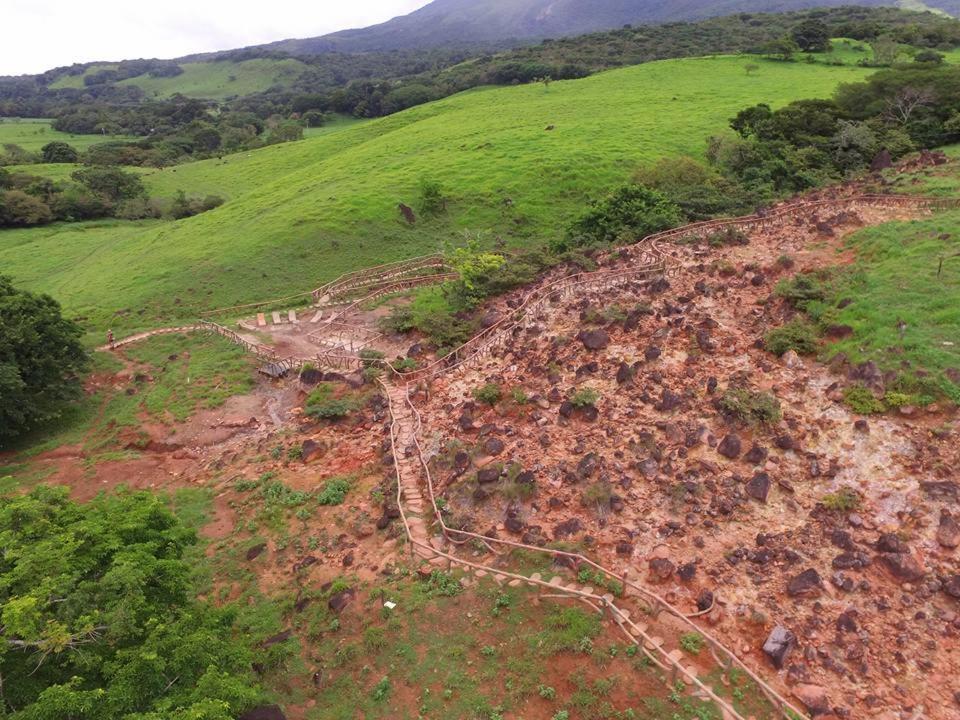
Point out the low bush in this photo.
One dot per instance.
(334, 491)
(862, 401)
(490, 394)
(585, 397)
(844, 500)
(798, 335)
(751, 407)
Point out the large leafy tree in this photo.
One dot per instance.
(630, 212)
(41, 360)
(96, 618)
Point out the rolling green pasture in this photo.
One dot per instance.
(32, 134)
(210, 80)
(301, 213)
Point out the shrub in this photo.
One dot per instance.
(432, 200)
(546, 692)
(17, 208)
(692, 642)
(490, 394)
(631, 209)
(802, 289)
(334, 491)
(844, 500)
(321, 405)
(862, 401)
(798, 335)
(371, 357)
(753, 408)
(584, 397)
(519, 396)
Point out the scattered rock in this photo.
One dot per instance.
(759, 487)
(256, 551)
(624, 374)
(661, 568)
(567, 528)
(905, 567)
(312, 450)
(813, 697)
(791, 360)
(756, 455)
(488, 474)
(493, 446)
(948, 533)
(952, 586)
(338, 601)
(806, 583)
(594, 339)
(652, 353)
(780, 643)
(730, 446)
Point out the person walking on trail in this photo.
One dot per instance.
(110, 338)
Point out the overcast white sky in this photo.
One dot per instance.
(43, 34)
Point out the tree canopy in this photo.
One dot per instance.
(41, 360)
(96, 619)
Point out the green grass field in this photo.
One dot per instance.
(210, 80)
(32, 134)
(301, 213)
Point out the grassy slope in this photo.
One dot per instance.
(212, 79)
(305, 212)
(33, 134)
(209, 80)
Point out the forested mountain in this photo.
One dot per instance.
(457, 22)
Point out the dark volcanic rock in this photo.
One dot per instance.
(661, 568)
(687, 571)
(338, 601)
(256, 551)
(488, 475)
(594, 339)
(851, 561)
(780, 643)
(730, 446)
(759, 487)
(624, 374)
(669, 400)
(903, 566)
(952, 586)
(652, 353)
(891, 543)
(493, 446)
(806, 583)
(587, 466)
(948, 532)
(624, 548)
(567, 528)
(756, 455)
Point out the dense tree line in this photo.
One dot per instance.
(93, 192)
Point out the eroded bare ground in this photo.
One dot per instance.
(663, 484)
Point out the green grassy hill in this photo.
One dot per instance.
(32, 134)
(301, 213)
(210, 80)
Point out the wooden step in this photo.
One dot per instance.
(653, 643)
(637, 629)
(261, 320)
(675, 655)
(316, 318)
(556, 581)
(292, 316)
(276, 318)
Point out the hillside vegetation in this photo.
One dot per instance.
(446, 22)
(302, 213)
